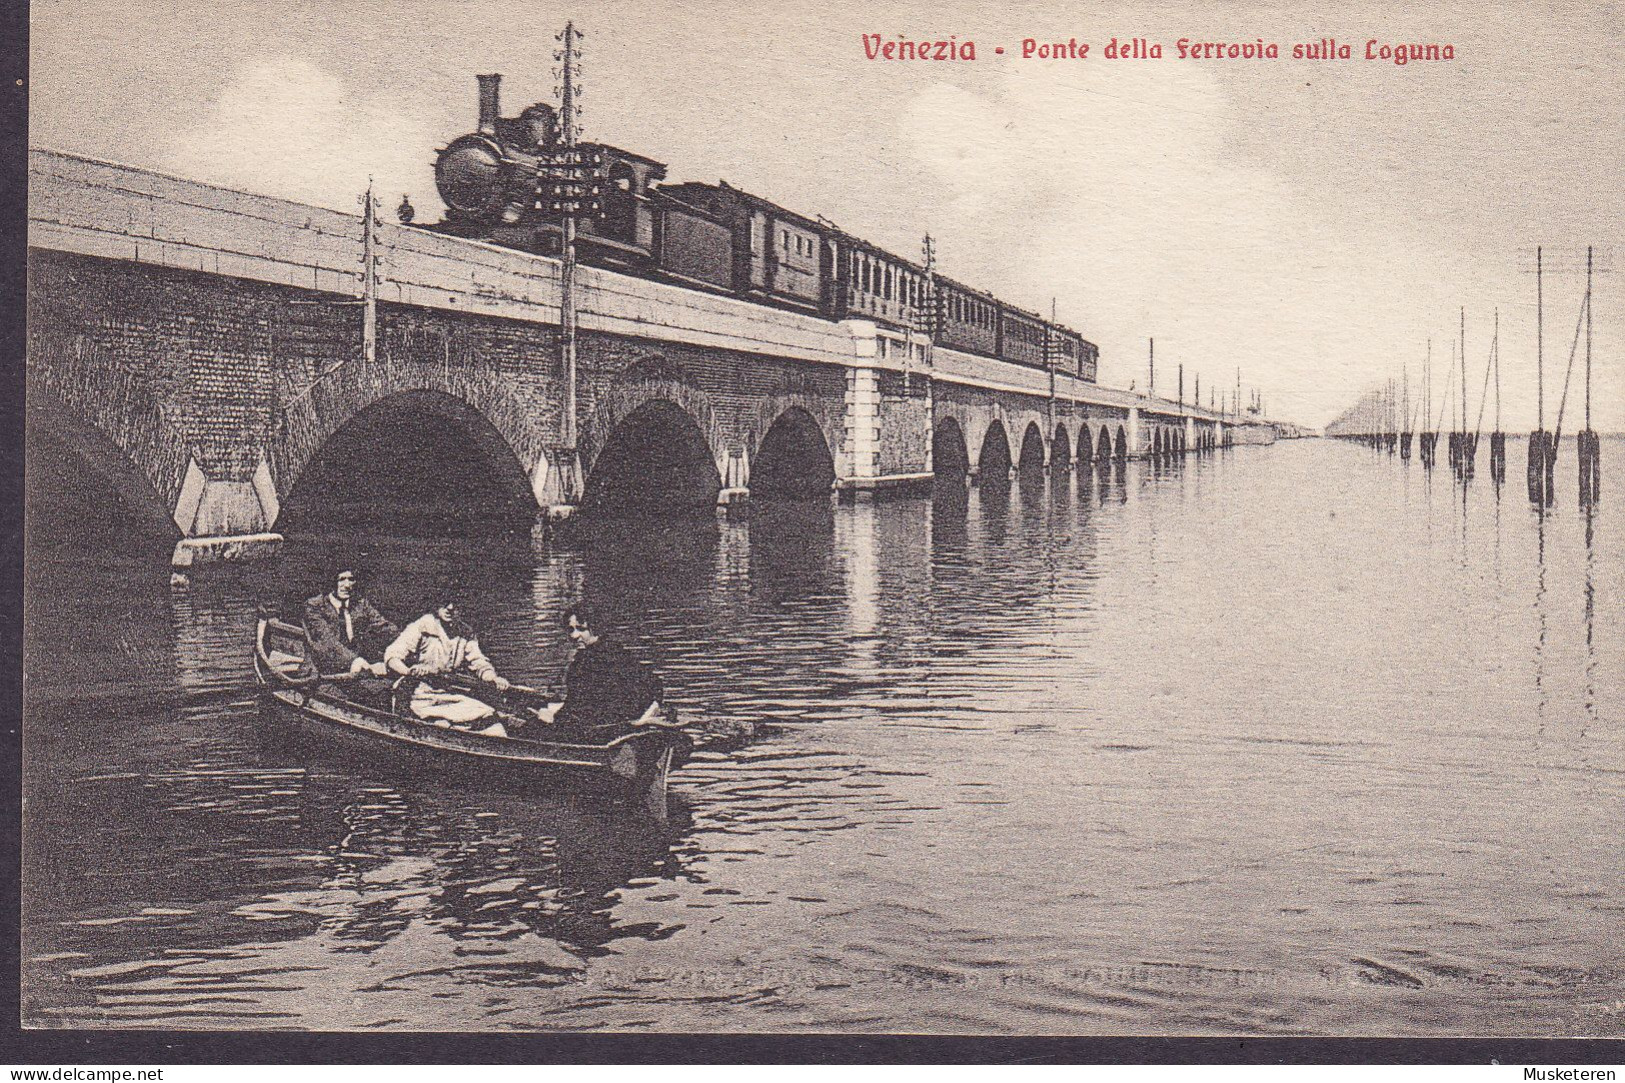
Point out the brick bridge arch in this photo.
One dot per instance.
(446, 376)
(142, 463)
(976, 419)
(734, 426)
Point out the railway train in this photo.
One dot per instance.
(719, 238)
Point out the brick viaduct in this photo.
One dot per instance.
(206, 344)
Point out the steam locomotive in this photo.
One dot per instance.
(719, 238)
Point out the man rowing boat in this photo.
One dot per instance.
(440, 644)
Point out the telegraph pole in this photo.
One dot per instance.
(567, 269)
(1590, 450)
(1539, 460)
(1540, 353)
(1151, 387)
(369, 277)
(1466, 451)
(1588, 338)
(927, 318)
(1051, 348)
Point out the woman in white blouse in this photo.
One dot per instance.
(440, 643)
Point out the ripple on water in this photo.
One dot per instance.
(1021, 763)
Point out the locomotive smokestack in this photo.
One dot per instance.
(490, 104)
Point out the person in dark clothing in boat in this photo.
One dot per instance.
(342, 628)
(605, 687)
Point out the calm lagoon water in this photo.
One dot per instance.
(1289, 740)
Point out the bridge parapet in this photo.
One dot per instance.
(112, 211)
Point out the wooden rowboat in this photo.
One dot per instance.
(633, 764)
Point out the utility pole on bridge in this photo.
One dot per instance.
(570, 183)
(1051, 348)
(369, 277)
(925, 319)
(567, 268)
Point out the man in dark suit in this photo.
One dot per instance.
(342, 627)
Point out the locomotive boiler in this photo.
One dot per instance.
(493, 182)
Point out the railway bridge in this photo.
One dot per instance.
(218, 356)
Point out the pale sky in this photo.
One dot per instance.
(1313, 223)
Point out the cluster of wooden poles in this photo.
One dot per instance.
(1543, 445)
(1398, 426)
